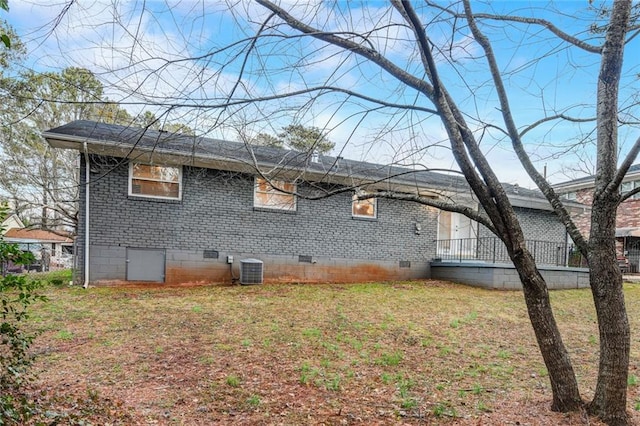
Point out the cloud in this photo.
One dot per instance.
(162, 55)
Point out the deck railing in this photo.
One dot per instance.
(492, 250)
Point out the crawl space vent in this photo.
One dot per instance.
(210, 254)
(251, 271)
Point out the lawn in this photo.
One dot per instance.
(423, 352)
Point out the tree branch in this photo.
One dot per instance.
(224, 103)
(454, 123)
(627, 195)
(624, 168)
(525, 20)
(560, 116)
(607, 107)
(432, 202)
(351, 46)
(514, 135)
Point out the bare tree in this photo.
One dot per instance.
(40, 181)
(439, 71)
(423, 76)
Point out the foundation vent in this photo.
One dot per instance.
(210, 254)
(251, 271)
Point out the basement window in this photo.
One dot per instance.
(153, 181)
(277, 195)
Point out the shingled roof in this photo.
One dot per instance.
(39, 235)
(589, 181)
(164, 147)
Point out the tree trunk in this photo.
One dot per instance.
(610, 399)
(566, 395)
(45, 201)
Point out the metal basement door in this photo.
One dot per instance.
(145, 264)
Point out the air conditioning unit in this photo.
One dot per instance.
(251, 271)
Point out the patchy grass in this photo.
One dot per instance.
(61, 277)
(377, 353)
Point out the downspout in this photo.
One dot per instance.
(86, 215)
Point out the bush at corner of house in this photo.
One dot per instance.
(17, 293)
(16, 359)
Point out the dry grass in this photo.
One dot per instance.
(422, 352)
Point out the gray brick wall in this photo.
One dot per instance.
(217, 213)
(541, 225)
(537, 225)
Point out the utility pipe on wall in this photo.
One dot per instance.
(87, 170)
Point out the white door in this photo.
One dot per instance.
(457, 235)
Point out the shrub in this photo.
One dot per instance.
(17, 293)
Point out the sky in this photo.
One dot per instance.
(199, 63)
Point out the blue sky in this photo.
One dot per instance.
(144, 55)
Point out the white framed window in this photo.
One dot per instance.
(277, 195)
(571, 196)
(154, 181)
(367, 208)
(629, 186)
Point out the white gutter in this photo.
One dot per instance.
(86, 215)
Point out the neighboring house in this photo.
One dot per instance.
(161, 207)
(628, 217)
(59, 248)
(11, 221)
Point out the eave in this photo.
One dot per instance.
(173, 149)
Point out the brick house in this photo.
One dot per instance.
(628, 218)
(170, 208)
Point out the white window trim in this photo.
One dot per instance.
(634, 184)
(275, 182)
(130, 191)
(354, 200)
